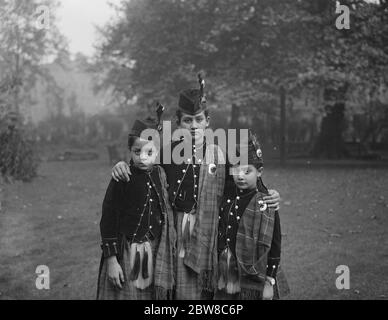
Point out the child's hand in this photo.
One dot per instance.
(121, 171)
(115, 273)
(273, 199)
(268, 291)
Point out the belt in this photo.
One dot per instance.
(193, 211)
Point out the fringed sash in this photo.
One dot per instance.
(201, 253)
(165, 255)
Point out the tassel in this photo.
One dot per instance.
(139, 283)
(233, 287)
(132, 253)
(222, 269)
(136, 266)
(232, 268)
(147, 265)
(233, 283)
(221, 283)
(182, 252)
(192, 219)
(185, 235)
(144, 264)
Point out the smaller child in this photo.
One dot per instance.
(137, 229)
(249, 238)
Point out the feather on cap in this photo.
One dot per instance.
(193, 101)
(148, 123)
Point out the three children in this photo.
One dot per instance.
(195, 191)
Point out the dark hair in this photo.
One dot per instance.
(261, 186)
(131, 140)
(179, 114)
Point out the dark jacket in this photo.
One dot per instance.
(122, 207)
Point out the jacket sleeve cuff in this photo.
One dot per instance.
(109, 247)
(272, 267)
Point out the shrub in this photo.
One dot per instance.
(17, 154)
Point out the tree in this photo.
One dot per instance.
(155, 48)
(23, 48)
(349, 62)
(258, 53)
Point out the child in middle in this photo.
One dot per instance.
(195, 190)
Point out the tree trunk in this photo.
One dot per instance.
(283, 128)
(16, 77)
(234, 124)
(330, 144)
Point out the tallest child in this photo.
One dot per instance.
(195, 190)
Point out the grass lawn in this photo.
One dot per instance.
(329, 217)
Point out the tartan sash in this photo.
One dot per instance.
(164, 277)
(253, 242)
(201, 252)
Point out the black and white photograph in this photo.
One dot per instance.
(196, 150)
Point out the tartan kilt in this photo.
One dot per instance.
(106, 290)
(187, 281)
(282, 287)
(280, 290)
(222, 295)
